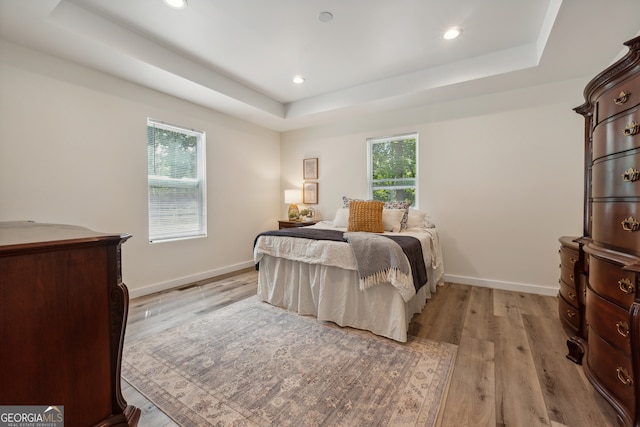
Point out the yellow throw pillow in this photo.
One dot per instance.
(366, 216)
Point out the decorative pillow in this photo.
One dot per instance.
(392, 218)
(365, 216)
(400, 205)
(387, 205)
(418, 219)
(346, 200)
(341, 219)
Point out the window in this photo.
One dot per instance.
(392, 168)
(176, 179)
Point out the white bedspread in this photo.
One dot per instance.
(339, 254)
(320, 278)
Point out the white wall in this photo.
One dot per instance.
(500, 175)
(73, 151)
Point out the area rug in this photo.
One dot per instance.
(252, 364)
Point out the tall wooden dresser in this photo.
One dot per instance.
(572, 283)
(607, 339)
(63, 310)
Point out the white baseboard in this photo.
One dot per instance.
(505, 286)
(463, 280)
(175, 283)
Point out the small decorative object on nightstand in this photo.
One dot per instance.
(292, 224)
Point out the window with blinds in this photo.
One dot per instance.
(392, 168)
(176, 180)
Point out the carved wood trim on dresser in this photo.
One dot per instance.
(605, 334)
(63, 312)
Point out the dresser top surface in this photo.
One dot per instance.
(16, 234)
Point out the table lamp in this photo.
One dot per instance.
(292, 197)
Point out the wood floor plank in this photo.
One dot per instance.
(442, 319)
(519, 400)
(539, 305)
(507, 304)
(479, 320)
(473, 385)
(562, 387)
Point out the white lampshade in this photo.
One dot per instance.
(292, 196)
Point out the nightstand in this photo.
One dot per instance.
(292, 224)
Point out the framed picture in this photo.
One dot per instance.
(310, 193)
(310, 168)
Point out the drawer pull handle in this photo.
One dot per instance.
(623, 376)
(631, 129)
(631, 175)
(623, 328)
(626, 286)
(622, 98)
(572, 296)
(630, 224)
(571, 314)
(572, 260)
(571, 277)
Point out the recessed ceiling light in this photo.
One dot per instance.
(325, 16)
(298, 80)
(452, 33)
(176, 4)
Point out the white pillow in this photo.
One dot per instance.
(418, 219)
(392, 219)
(341, 219)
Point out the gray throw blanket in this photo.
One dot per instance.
(380, 260)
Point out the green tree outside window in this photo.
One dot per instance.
(392, 168)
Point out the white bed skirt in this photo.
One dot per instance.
(332, 293)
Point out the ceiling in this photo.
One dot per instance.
(240, 56)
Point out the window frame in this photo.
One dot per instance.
(386, 139)
(199, 182)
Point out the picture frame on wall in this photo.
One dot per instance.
(310, 193)
(310, 168)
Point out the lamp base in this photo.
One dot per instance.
(294, 212)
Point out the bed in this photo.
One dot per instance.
(321, 277)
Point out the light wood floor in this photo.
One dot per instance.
(510, 369)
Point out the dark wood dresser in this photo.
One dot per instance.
(572, 283)
(607, 337)
(63, 311)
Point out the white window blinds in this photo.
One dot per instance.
(176, 180)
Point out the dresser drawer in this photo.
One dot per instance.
(618, 177)
(567, 275)
(616, 135)
(612, 282)
(621, 97)
(617, 224)
(611, 369)
(568, 256)
(609, 320)
(569, 294)
(568, 313)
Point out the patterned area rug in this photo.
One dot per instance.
(252, 364)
